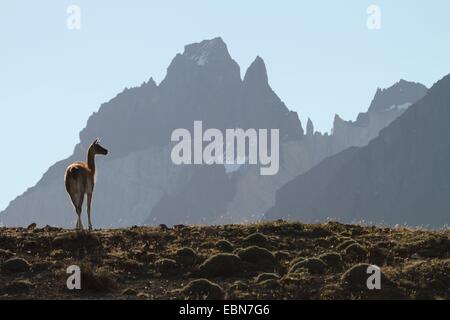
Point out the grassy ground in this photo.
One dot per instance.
(277, 260)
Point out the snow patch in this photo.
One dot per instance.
(400, 107)
(202, 59)
(201, 56)
(230, 168)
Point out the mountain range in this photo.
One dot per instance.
(138, 183)
(401, 177)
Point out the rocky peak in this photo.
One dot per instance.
(207, 62)
(401, 95)
(207, 51)
(309, 128)
(256, 74)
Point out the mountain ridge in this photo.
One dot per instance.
(138, 178)
(397, 178)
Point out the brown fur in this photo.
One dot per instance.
(79, 180)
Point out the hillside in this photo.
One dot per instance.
(278, 260)
(400, 177)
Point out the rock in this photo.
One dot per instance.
(129, 292)
(97, 280)
(262, 259)
(18, 286)
(143, 295)
(6, 254)
(15, 265)
(224, 245)
(239, 285)
(357, 276)
(333, 260)
(267, 276)
(377, 256)
(355, 279)
(163, 227)
(345, 244)
(166, 266)
(309, 128)
(256, 239)
(203, 289)
(312, 265)
(186, 256)
(49, 228)
(222, 265)
(282, 255)
(356, 252)
(76, 241)
(32, 226)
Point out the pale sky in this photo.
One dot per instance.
(321, 60)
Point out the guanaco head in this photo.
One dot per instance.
(97, 148)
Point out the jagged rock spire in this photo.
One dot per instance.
(257, 73)
(309, 128)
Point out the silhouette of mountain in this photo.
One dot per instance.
(398, 96)
(203, 83)
(400, 177)
(386, 106)
(256, 194)
(138, 183)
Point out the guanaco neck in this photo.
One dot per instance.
(91, 160)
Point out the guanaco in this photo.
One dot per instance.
(80, 180)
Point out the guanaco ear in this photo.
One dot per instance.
(96, 141)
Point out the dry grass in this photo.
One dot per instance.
(278, 260)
